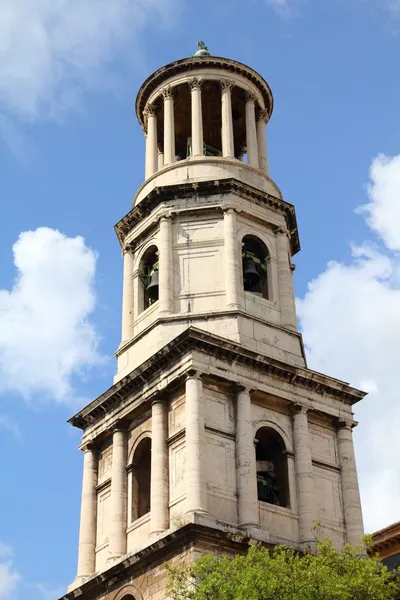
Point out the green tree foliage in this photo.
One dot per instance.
(283, 574)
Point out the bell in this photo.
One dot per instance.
(251, 277)
(152, 288)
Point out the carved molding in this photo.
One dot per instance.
(149, 111)
(168, 92)
(341, 423)
(226, 85)
(263, 115)
(195, 83)
(250, 97)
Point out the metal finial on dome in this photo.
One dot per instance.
(203, 50)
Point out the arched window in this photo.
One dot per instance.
(272, 470)
(255, 262)
(148, 273)
(141, 479)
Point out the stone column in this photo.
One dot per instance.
(350, 491)
(228, 148)
(127, 298)
(169, 126)
(166, 276)
(151, 141)
(196, 492)
(159, 496)
(251, 132)
(246, 470)
(231, 259)
(285, 282)
(262, 120)
(197, 117)
(87, 530)
(160, 159)
(304, 476)
(118, 500)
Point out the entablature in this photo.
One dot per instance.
(193, 349)
(205, 189)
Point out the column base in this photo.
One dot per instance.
(197, 511)
(249, 525)
(309, 545)
(233, 306)
(115, 558)
(157, 532)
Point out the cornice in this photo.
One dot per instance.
(218, 187)
(195, 339)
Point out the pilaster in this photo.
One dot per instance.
(159, 496)
(304, 476)
(196, 492)
(349, 481)
(231, 259)
(118, 501)
(87, 530)
(246, 470)
(285, 282)
(127, 298)
(166, 276)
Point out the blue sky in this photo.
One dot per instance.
(71, 158)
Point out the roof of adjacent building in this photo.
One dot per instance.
(386, 542)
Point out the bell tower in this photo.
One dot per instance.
(215, 434)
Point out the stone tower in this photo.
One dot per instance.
(215, 433)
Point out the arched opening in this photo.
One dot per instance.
(272, 469)
(255, 266)
(141, 476)
(148, 274)
(128, 597)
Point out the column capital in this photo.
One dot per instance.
(120, 425)
(281, 229)
(251, 97)
(193, 374)
(226, 85)
(149, 110)
(166, 217)
(160, 398)
(229, 209)
(263, 115)
(342, 423)
(195, 83)
(168, 92)
(91, 446)
(297, 408)
(239, 388)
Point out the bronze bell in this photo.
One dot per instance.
(152, 288)
(251, 277)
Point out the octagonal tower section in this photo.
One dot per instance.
(209, 239)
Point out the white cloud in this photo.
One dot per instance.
(9, 425)
(46, 336)
(284, 8)
(9, 576)
(350, 320)
(51, 50)
(49, 593)
(383, 208)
